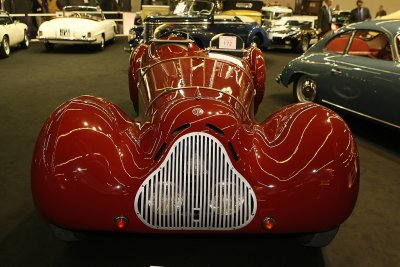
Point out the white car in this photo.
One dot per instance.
(77, 25)
(296, 32)
(12, 33)
(272, 14)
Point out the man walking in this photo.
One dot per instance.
(360, 13)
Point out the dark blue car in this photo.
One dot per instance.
(356, 68)
(200, 21)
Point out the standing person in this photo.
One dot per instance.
(109, 5)
(37, 9)
(360, 13)
(381, 12)
(325, 18)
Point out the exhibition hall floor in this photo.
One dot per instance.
(34, 82)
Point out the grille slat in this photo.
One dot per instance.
(196, 187)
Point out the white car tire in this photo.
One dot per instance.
(5, 47)
(25, 42)
(102, 43)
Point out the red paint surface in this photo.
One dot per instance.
(91, 158)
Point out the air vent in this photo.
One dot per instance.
(215, 129)
(180, 129)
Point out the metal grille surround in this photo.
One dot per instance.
(196, 187)
(149, 29)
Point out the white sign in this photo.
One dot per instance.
(180, 8)
(227, 42)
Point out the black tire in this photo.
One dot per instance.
(256, 40)
(67, 235)
(318, 240)
(25, 43)
(102, 43)
(305, 89)
(304, 44)
(5, 48)
(48, 46)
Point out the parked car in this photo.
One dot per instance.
(271, 14)
(341, 18)
(12, 33)
(77, 25)
(248, 8)
(295, 32)
(194, 160)
(202, 23)
(356, 69)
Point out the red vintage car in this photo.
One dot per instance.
(195, 160)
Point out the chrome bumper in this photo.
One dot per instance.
(67, 39)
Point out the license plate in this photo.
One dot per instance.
(64, 32)
(227, 42)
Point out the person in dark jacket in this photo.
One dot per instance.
(360, 13)
(325, 18)
(381, 12)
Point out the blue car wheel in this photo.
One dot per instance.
(305, 89)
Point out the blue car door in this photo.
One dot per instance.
(366, 79)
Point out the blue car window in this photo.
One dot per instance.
(371, 44)
(338, 44)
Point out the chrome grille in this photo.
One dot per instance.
(196, 187)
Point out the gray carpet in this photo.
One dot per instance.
(33, 83)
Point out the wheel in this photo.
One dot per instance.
(67, 235)
(304, 44)
(25, 42)
(321, 239)
(102, 43)
(4, 47)
(305, 89)
(49, 46)
(257, 40)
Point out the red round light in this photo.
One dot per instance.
(269, 223)
(121, 222)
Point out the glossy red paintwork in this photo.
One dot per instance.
(91, 158)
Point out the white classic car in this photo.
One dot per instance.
(12, 33)
(77, 25)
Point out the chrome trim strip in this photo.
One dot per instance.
(68, 39)
(361, 114)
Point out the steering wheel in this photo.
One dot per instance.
(168, 34)
(76, 15)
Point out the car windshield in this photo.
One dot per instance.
(343, 16)
(83, 12)
(4, 20)
(270, 15)
(298, 24)
(192, 7)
